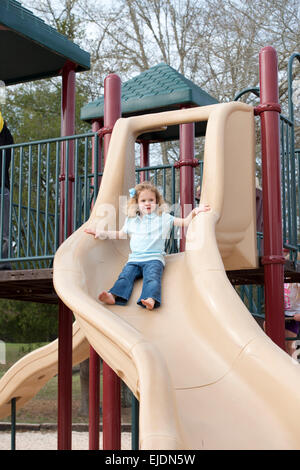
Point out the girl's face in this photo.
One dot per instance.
(147, 202)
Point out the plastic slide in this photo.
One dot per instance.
(27, 376)
(206, 375)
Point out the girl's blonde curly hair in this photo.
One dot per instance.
(132, 205)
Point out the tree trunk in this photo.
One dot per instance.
(126, 396)
(84, 383)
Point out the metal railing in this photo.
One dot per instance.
(30, 227)
(34, 199)
(35, 192)
(253, 296)
(289, 188)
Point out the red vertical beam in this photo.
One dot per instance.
(112, 106)
(64, 434)
(64, 427)
(273, 259)
(111, 382)
(94, 400)
(186, 163)
(144, 158)
(94, 364)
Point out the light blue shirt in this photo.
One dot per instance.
(148, 236)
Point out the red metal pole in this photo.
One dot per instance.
(112, 106)
(94, 365)
(111, 382)
(144, 158)
(64, 434)
(64, 421)
(186, 163)
(94, 400)
(273, 259)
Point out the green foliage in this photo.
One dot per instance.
(27, 322)
(15, 351)
(33, 110)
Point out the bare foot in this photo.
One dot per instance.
(149, 303)
(107, 298)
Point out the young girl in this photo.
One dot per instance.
(148, 226)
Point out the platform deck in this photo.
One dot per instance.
(36, 285)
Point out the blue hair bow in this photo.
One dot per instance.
(132, 192)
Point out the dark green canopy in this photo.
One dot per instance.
(161, 88)
(30, 49)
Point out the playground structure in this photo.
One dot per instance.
(224, 349)
(273, 259)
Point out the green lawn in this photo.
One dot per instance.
(43, 407)
(14, 352)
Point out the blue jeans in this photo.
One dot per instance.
(150, 271)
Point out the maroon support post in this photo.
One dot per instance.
(94, 364)
(112, 107)
(144, 158)
(273, 259)
(111, 382)
(186, 164)
(64, 434)
(94, 400)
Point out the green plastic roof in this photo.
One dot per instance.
(161, 88)
(30, 49)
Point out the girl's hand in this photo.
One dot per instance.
(201, 208)
(90, 231)
(102, 234)
(179, 222)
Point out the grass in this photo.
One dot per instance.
(14, 352)
(43, 407)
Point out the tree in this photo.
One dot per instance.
(32, 111)
(214, 43)
(27, 322)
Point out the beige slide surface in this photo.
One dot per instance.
(206, 375)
